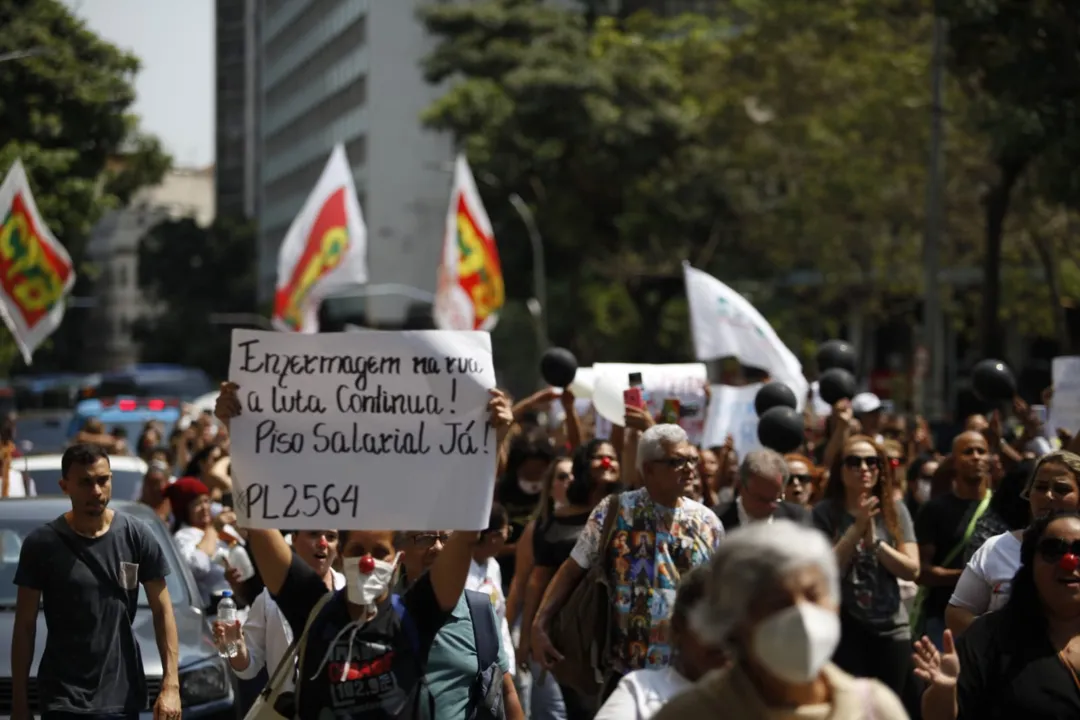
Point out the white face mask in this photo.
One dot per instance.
(725, 495)
(796, 643)
(531, 487)
(365, 588)
(922, 490)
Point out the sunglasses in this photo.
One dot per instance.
(856, 461)
(801, 479)
(428, 540)
(1053, 549)
(677, 463)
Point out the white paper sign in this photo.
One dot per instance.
(1065, 405)
(731, 412)
(363, 430)
(684, 381)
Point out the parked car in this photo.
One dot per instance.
(206, 689)
(44, 471)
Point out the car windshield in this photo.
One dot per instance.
(14, 530)
(45, 433)
(126, 484)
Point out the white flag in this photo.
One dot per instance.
(35, 269)
(725, 324)
(470, 289)
(324, 250)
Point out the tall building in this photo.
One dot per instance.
(237, 98)
(113, 249)
(348, 71)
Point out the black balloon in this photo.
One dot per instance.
(836, 384)
(558, 366)
(781, 429)
(774, 394)
(993, 381)
(836, 354)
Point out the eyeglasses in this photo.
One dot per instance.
(856, 461)
(428, 540)
(677, 463)
(801, 479)
(1053, 549)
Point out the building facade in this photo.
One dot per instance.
(113, 250)
(237, 97)
(348, 71)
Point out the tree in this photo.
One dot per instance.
(65, 101)
(189, 273)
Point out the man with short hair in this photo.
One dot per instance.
(87, 566)
(658, 535)
(763, 478)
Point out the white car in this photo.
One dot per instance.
(43, 473)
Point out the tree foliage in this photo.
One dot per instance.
(189, 273)
(65, 100)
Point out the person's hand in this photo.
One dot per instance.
(937, 668)
(868, 510)
(167, 706)
(567, 400)
(502, 414)
(544, 653)
(225, 517)
(639, 419)
(236, 635)
(227, 405)
(844, 414)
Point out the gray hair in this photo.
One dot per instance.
(653, 441)
(750, 560)
(763, 463)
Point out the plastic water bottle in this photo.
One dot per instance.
(226, 615)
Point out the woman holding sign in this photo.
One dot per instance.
(363, 655)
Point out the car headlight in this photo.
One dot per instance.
(205, 682)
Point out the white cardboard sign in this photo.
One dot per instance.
(731, 412)
(363, 430)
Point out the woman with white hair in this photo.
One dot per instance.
(772, 604)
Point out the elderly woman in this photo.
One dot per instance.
(772, 603)
(986, 582)
(1023, 662)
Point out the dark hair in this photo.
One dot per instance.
(81, 454)
(498, 519)
(526, 446)
(119, 432)
(581, 489)
(1006, 503)
(193, 468)
(1023, 612)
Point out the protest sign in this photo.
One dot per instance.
(1065, 405)
(682, 381)
(731, 412)
(363, 430)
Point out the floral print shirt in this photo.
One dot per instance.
(651, 546)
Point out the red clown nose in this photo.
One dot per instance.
(367, 564)
(605, 463)
(1069, 562)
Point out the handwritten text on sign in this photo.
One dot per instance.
(363, 430)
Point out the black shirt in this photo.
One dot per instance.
(942, 523)
(1009, 673)
(370, 671)
(92, 662)
(554, 539)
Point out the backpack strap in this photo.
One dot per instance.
(409, 628)
(293, 661)
(485, 634)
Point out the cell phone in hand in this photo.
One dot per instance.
(634, 397)
(670, 413)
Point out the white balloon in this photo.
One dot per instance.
(584, 382)
(608, 398)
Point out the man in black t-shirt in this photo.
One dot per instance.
(86, 566)
(941, 525)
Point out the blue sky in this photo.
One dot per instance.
(175, 41)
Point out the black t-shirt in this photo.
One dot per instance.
(1009, 673)
(370, 671)
(942, 523)
(92, 662)
(520, 508)
(553, 541)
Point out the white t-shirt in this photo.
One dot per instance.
(487, 578)
(641, 694)
(986, 582)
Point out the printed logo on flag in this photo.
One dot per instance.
(32, 274)
(479, 271)
(326, 246)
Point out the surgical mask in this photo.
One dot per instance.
(922, 490)
(364, 588)
(796, 643)
(531, 487)
(725, 495)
